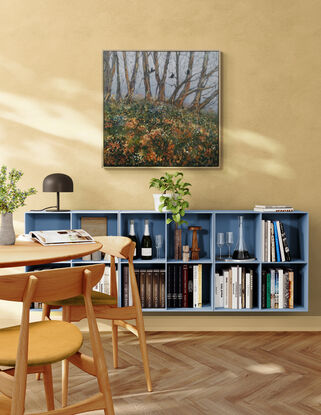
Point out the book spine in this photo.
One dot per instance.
(185, 286)
(247, 290)
(281, 287)
(266, 229)
(125, 286)
(243, 287)
(263, 289)
(277, 246)
(137, 275)
(190, 286)
(268, 290)
(239, 287)
(291, 289)
(234, 288)
(226, 288)
(200, 278)
(286, 289)
(170, 276)
(195, 286)
(142, 290)
(263, 239)
(287, 253)
(217, 290)
(149, 288)
(180, 286)
(251, 287)
(277, 292)
(280, 241)
(156, 302)
(221, 289)
(272, 271)
(162, 288)
(272, 244)
(269, 241)
(230, 288)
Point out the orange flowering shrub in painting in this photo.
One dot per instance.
(143, 133)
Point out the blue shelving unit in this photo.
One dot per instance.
(296, 226)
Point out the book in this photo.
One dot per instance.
(277, 292)
(287, 253)
(272, 272)
(268, 290)
(149, 289)
(175, 287)
(243, 287)
(263, 240)
(247, 290)
(251, 287)
(273, 208)
(156, 302)
(263, 288)
(125, 285)
(277, 247)
(180, 286)
(273, 256)
(226, 288)
(230, 288)
(291, 288)
(185, 285)
(195, 286)
(234, 287)
(190, 286)
(286, 289)
(281, 288)
(280, 241)
(61, 237)
(200, 283)
(269, 224)
(142, 288)
(162, 288)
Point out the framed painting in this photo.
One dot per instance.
(161, 109)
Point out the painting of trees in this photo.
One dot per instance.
(161, 109)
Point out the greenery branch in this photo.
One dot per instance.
(11, 198)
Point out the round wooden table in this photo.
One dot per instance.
(33, 253)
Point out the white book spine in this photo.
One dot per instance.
(263, 239)
(195, 286)
(217, 285)
(221, 302)
(234, 288)
(247, 290)
(199, 280)
(281, 288)
(280, 241)
(226, 288)
(268, 241)
(239, 287)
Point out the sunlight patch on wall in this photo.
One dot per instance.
(49, 117)
(255, 152)
(72, 89)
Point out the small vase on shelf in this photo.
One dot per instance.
(7, 233)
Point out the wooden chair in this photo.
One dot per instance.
(33, 347)
(106, 307)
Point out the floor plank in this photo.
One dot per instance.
(225, 373)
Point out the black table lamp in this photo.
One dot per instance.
(57, 182)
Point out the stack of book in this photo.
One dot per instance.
(273, 208)
(184, 286)
(151, 286)
(234, 288)
(278, 288)
(275, 247)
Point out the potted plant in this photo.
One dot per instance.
(173, 199)
(11, 198)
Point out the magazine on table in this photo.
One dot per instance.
(62, 237)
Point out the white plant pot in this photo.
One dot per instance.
(157, 202)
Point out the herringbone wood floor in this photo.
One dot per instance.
(266, 373)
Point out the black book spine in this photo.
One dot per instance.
(142, 278)
(156, 288)
(125, 286)
(263, 296)
(162, 288)
(287, 253)
(190, 286)
(180, 286)
(170, 286)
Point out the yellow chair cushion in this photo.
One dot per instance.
(5, 405)
(97, 298)
(49, 342)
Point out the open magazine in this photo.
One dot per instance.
(61, 237)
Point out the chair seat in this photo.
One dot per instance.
(97, 298)
(5, 405)
(49, 342)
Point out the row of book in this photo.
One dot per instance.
(234, 288)
(184, 286)
(151, 286)
(278, 288)
(275, 247)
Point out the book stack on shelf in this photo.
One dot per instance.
(184, 286)
(275, 246)
(234, 288)
(277, 288)
(151, 286)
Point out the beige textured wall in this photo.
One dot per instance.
(51, 108)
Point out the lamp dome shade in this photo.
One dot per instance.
(57, 182)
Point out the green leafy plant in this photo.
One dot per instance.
(11, 198)
(176, 190)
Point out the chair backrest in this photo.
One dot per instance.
(117, 246)
(51, 284)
